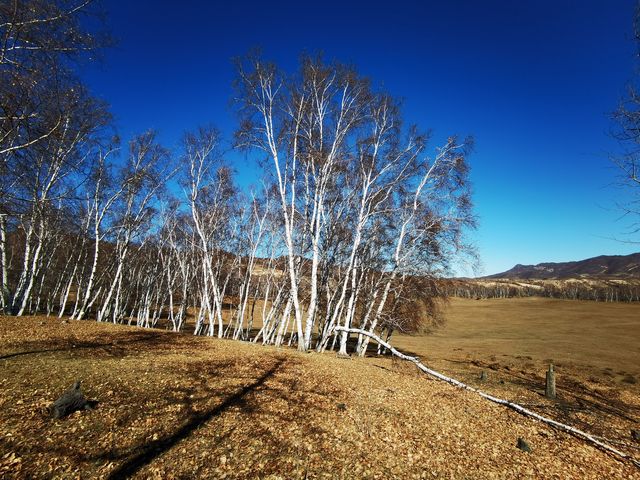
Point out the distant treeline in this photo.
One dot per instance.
(601, 290)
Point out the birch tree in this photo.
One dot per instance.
(102, 198)
(627, 132)
(39, 41)
(37, 37)
(142, 178)
(211, 194)
(347, 172)
(179, 262)
(47, 173)
(304, 126)
(252, 222)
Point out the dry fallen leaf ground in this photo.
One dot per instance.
(594, 346)
(174, 406)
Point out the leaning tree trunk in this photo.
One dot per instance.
(513, 406)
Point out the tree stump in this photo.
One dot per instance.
(70, 401)
(483, 376)
(550, 386)
(523, 445)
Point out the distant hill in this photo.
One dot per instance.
(604, 266)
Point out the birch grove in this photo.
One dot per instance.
(356, 217)
(363, 205)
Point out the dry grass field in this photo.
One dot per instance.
(175, 406)
(601, 337)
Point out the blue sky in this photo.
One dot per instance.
(533, 82)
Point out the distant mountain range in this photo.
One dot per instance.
(604, 266)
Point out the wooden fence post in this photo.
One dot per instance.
(550, 387)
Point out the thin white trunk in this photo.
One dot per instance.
(511, 405)
(5, 266)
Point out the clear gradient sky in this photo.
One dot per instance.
(534, 82)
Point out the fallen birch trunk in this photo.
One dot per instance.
(514, 406)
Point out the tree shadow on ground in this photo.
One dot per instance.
(115, 348)
(154, 449)
(229, 397)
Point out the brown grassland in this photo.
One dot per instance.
(602, 338)
(175, 406)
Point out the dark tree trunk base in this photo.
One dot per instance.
(70, 401)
